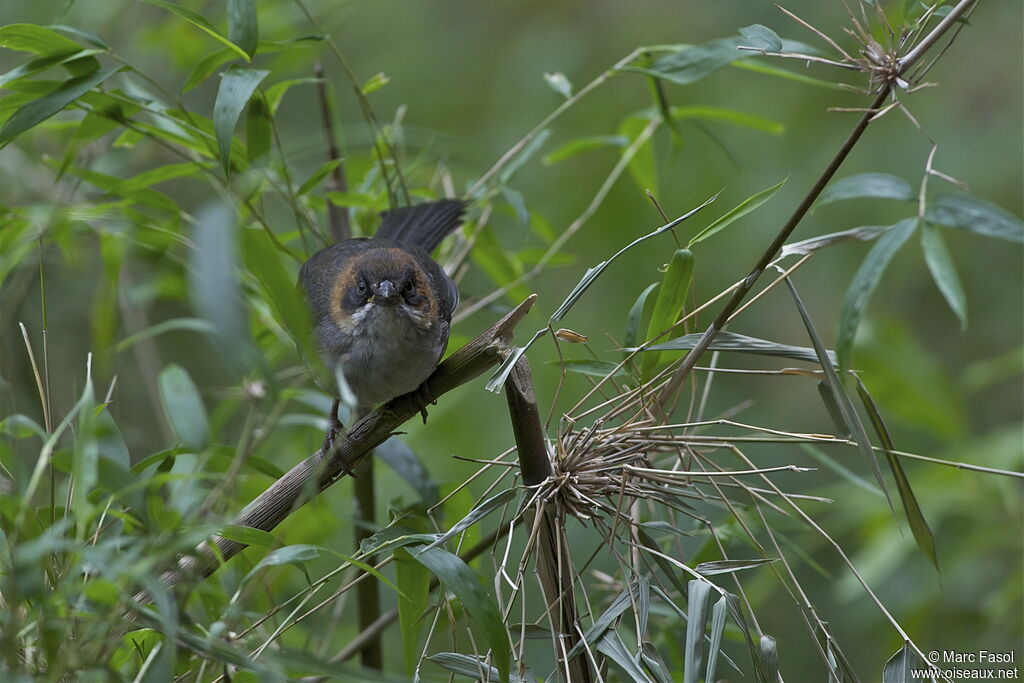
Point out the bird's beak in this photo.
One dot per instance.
(384, 292)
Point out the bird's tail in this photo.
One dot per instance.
(423, 225)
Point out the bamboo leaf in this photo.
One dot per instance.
(236, 87)
(479, 601)
(580, 145)
(761, 37)
(184, 407)
(633, 318)
(611, 646)
(719, 613)
(846, 407)
(732, 116)
(940, 265)
(901, 667)
(201, 23)
(668, 306)
(38, 110)
(864, 283)
(742, 209)
(731, 341)
(976, 215)
(918, 524)
(642, 166)
(243, 29)
(698, 598)
(413, 580)
(867, 185)
(730, 566)
(36, 39)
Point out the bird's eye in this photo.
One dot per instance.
(361, 287)
(409, 287)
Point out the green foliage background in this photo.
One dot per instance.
(468, 79)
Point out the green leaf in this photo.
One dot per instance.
(719, 613)
(742, 209)
(206, 66)
(290, 554)
(580, 145)
(87, 36)
(761, 67)
(243, 29)
(318, 175)
(940, 265)
(698, 598)
(633, 318)
(864, 283)
(201, 23)
(473, 667)
(524, 155)
(732, 116)
(643, 165)
(689, 63)
(375, 83)
(406, 464)
(360, 199)
(193, 324)
(43, 63)
(846, 407)
(559, 83)
(236, 87)
(668, 306)
(592, 368)
(36, 39)
(867, 185)
(730, 566)
(413, 582)
(275, 93)
(761, 37)
(918, 524)
(611, 646)
(976, 215)
(900, 667)
(214, 287)
(248, 536)
(259, 131)
(731, 341)
(38, 110)
(477, 599)
(184, 407)
(768, 655)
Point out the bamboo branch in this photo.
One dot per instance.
(337, 217)
(554, 564)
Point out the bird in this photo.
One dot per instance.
(381, 307)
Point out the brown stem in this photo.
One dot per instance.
(337, 217)
(319, 471)
(554, 563)
(367, 592)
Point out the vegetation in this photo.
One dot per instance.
(754, 435)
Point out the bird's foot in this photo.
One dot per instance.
(424, 397)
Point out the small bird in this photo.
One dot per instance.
(381, 306)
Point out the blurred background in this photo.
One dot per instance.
(467, 80)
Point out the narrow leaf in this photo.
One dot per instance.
(406, 464)
(864, 283)
(42, 108)
(901, 667)
(611, 646)
(243, 29)
(731, 341)
(580, 145)
(744, 207)
(732, 116)
(236, 87)
(918, 524)
(36, 39)
(668, 306)
(846, 407)
(413, 582)
(199, 22)
(184, 406)
(718, 616)
(864, 233)
(867, 185)
(259, 130)
(643, 165)
(761, 37)
(940, 265)
(698, 598)
(559, 83)
(974, 214)
(478, 601)
(214, 287)
(634, 316)
(730, 566)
